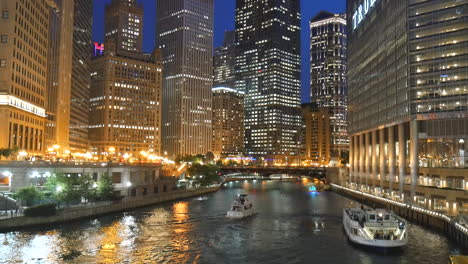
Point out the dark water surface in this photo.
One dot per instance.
(292, 226)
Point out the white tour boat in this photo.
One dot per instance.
(375, 228)
(241, 207)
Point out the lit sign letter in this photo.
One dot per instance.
(360, 15)
(366, 6)
(355, 20)
(362, 11)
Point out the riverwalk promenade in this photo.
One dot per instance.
(80, 212)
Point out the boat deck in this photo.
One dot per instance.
(458, 260)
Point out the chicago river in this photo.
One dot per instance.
(292, 226)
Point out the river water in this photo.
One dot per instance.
(292, 226)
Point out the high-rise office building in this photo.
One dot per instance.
(24, 31)
(268, 70)
(328, 74)
(316, 134)
(59, 71)
(81, 80)
(126, 88)
(185, 36)
(408, 99)
(228, 122)
(124, 27)
(224, 62)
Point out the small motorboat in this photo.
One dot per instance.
(241, 207)
(375, 228)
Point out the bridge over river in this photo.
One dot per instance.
(315, 172)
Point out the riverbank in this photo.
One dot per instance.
(420, 216)
(72, 214)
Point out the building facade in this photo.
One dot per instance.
(81, 79)
(185, 37)
(224, 62)
(228, 122)
(328, 74)
(268, 71)
(316, 134)
(59, 71)
(124, 27)
(408, 100)
(24, 42)
(126, 88)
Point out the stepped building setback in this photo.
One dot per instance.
(126, 89)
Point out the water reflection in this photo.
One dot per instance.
(110, 244)
(291, 227)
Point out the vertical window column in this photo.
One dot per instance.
(362, 157)
(368, 148)
(382, 157)
(391, 157)
(401, 157)
(356, 159)
(414, 157)
(375, 158)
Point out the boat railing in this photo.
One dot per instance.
(382, 224)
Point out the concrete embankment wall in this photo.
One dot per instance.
(421, 218)
(71, 214)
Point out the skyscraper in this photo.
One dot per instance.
(408, 99)
(268, 70)
(224, 62)
(228, 122)
(328, 74)
(81, 80)
(59, 71)
(126, 89)
(316, 133)
(124, 27)
(24, 45)
(185, 36)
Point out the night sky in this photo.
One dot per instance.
(224, 20)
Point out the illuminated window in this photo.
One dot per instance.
(2, 63)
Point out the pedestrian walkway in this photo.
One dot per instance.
(10, 214)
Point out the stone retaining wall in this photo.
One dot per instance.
(71, 214)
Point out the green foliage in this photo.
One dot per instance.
(41, 210)
(190, 159)
(8, 152)
(105, 188)
(204, 174)
(209, 157)
(232, 163)
(62, 187)
(86, 187)
(28, 195)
